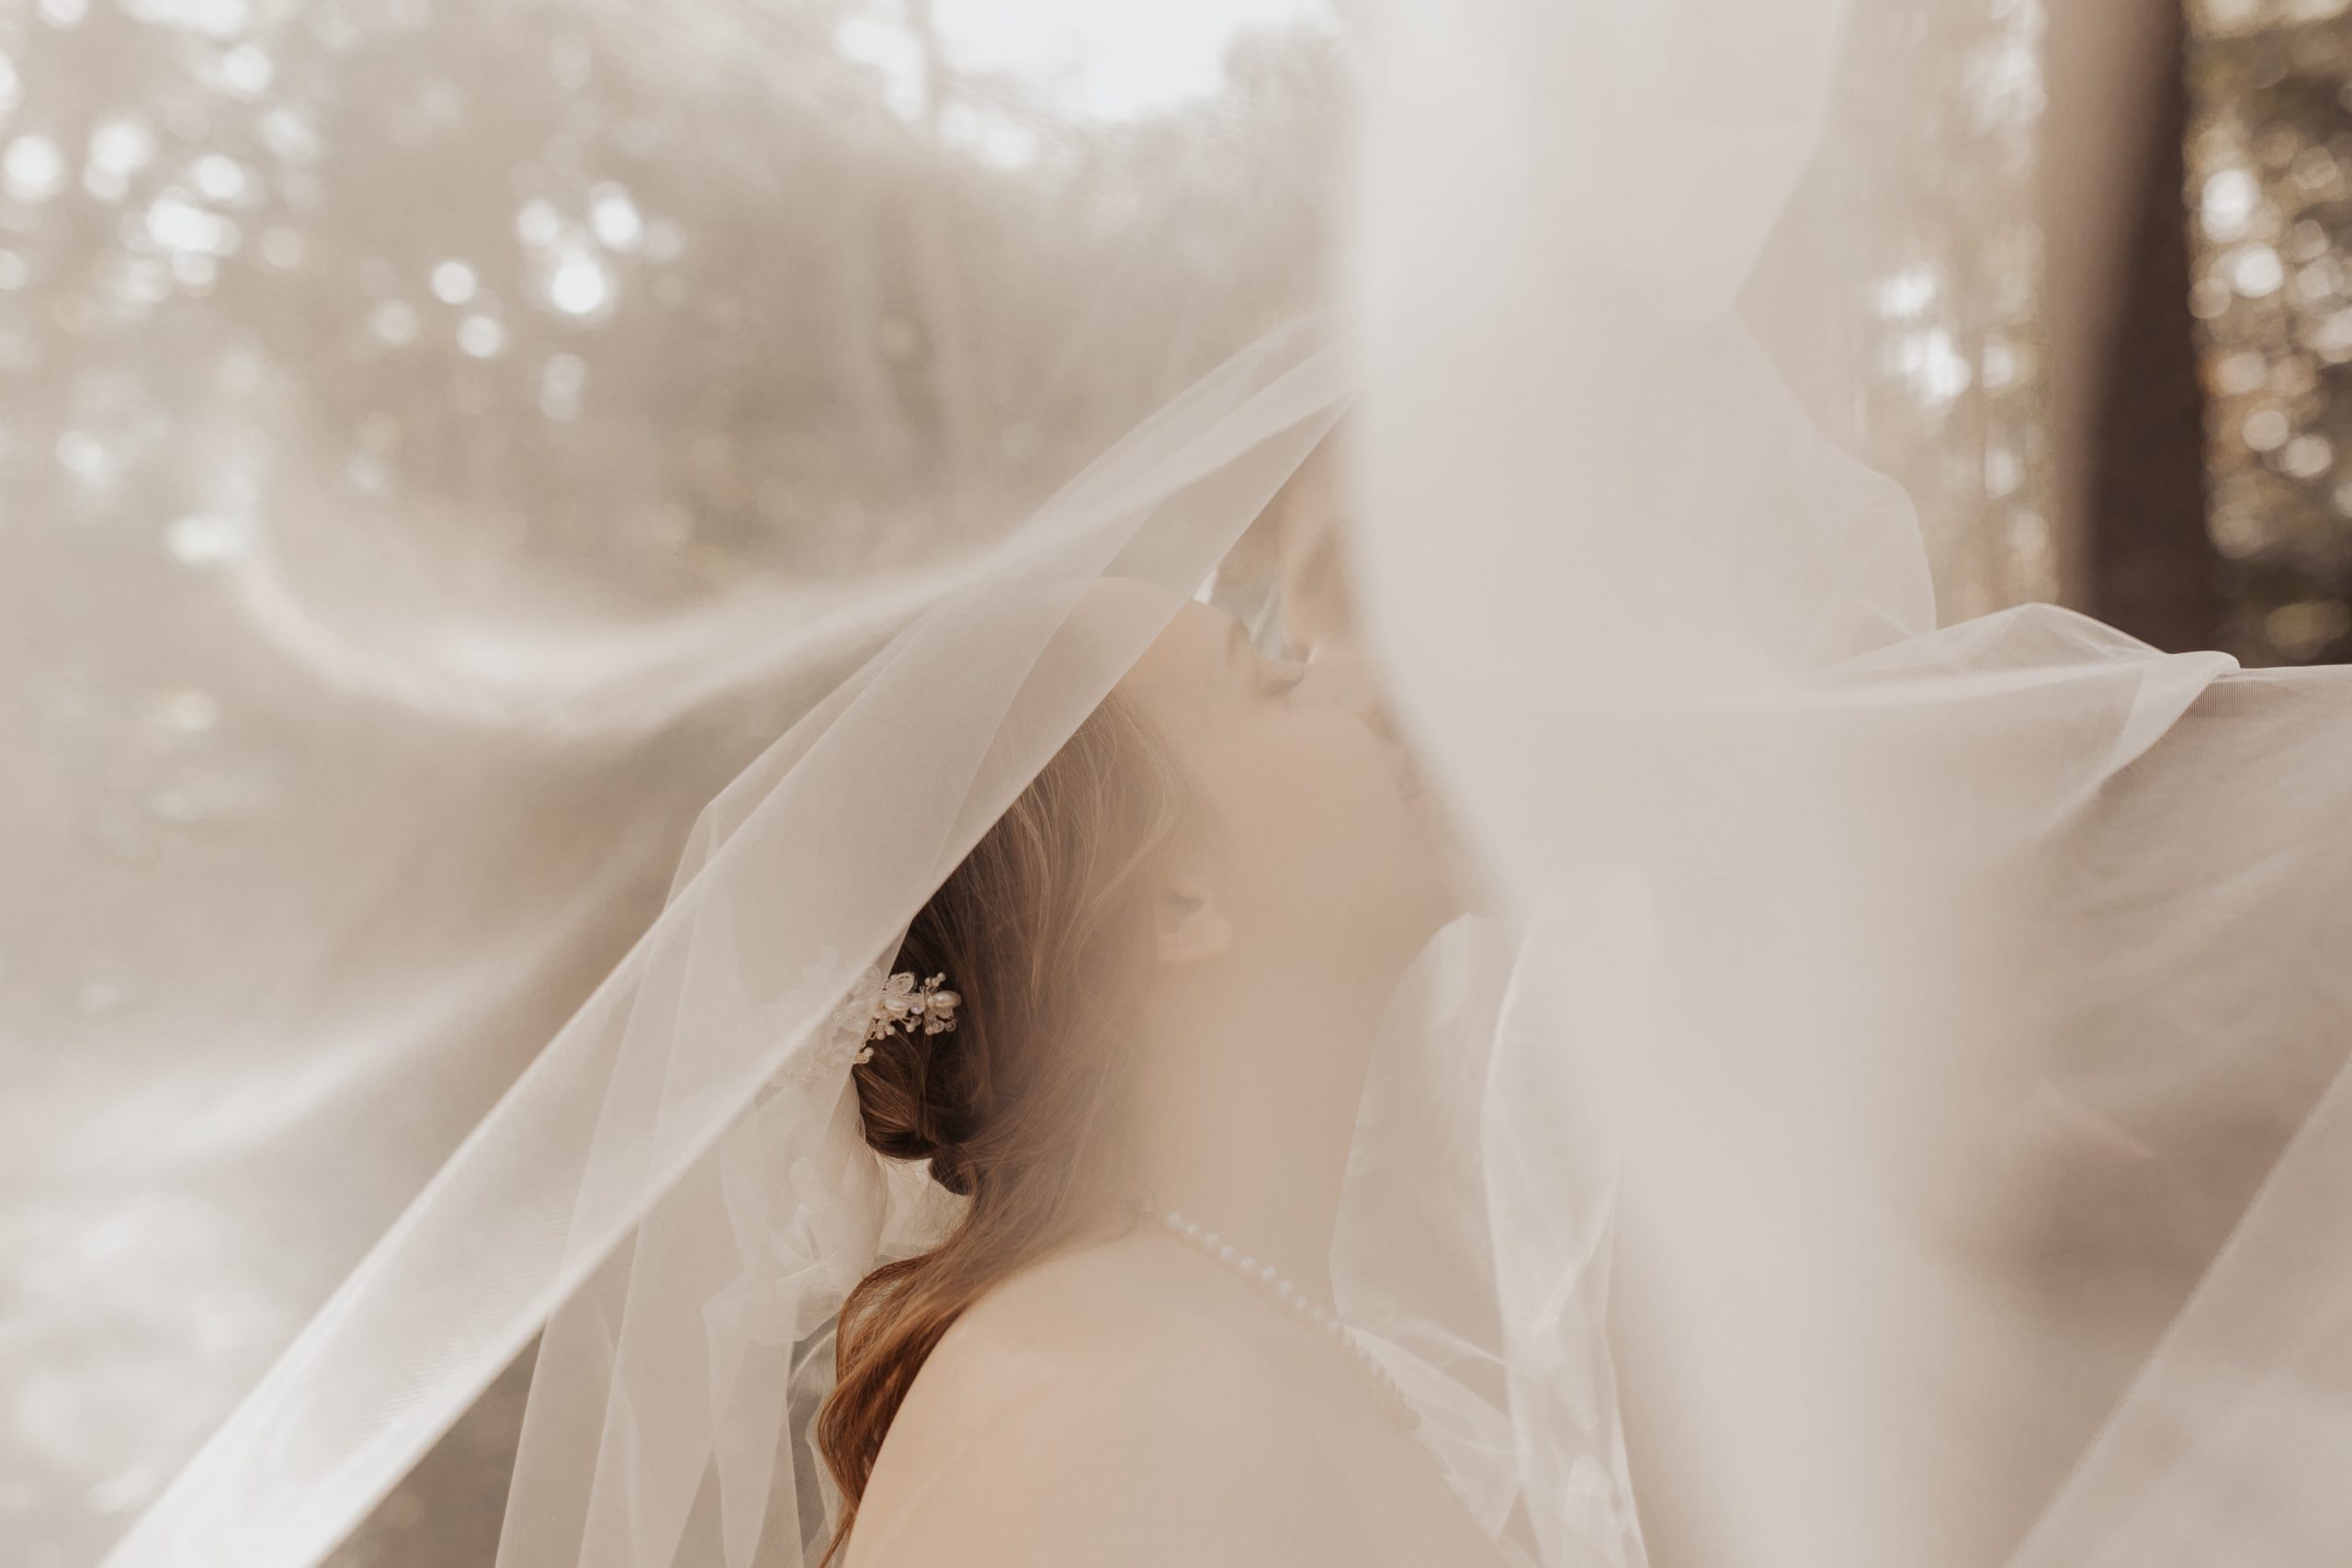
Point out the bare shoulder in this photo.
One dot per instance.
(1116, 1403)
(1136, 1312)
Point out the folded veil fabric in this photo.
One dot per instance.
(1892, 1117)
(1959, 995)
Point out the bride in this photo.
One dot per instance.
(1240, 1200)
(1169, 962)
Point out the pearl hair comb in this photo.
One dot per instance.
(903, 1008)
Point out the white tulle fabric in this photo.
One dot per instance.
(677, 1187)
(1895, 1116)
(1952, 1001)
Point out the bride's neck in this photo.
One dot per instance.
(1247, 1087)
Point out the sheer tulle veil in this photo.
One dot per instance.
(1725, 1192)
(1973, 1122)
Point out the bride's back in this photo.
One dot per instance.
(1129, 1403)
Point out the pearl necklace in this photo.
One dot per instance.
(1269, 1281)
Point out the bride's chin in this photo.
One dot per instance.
(1444, 855)
(1438, 897)
(1462, 887)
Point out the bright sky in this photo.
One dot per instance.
(1113, 58)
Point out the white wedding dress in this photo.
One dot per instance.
(1903, 1067)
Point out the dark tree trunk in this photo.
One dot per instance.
(2149, 565)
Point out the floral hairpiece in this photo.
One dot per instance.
(873, 1006)
(902, 1008)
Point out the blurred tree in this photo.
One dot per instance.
(2270, 171)
(2125, 396)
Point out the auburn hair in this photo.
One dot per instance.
(1038, 930)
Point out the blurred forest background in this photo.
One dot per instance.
(379, 372)
(2269, 161)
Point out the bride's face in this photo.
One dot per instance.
(1319, 843)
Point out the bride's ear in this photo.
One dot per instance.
(1187, 925)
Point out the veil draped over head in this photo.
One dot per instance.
(694, 1114)
(1902, 1072)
